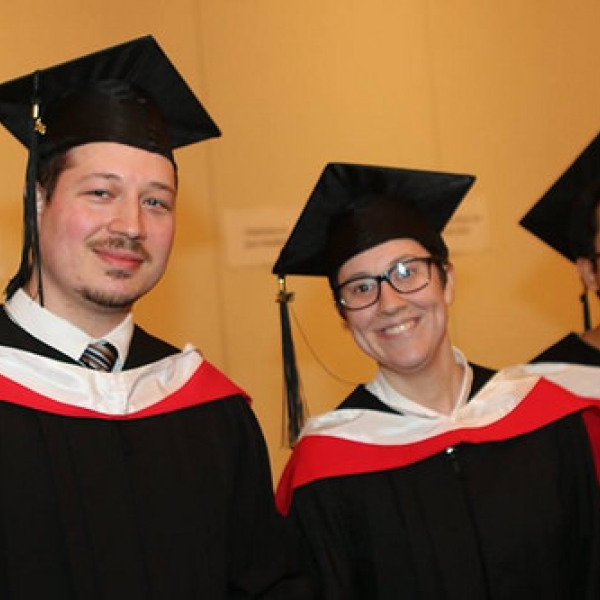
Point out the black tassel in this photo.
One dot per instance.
(587, 321)
(294, 406)
(30, 253)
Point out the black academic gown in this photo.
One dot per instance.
(570, 349)
(172, 507)
(511, 520)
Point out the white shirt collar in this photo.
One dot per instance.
(59, 333)
(381, 388)
(493, 402)
(123, 393)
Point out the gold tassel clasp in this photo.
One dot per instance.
(38, 124)
(284, 296)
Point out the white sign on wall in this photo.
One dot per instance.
(468, 229)
(255, 236)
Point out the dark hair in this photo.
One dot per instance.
(373, 220)
(48, 173)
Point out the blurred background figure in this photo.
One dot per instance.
(567, 218)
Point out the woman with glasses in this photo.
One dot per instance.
(438, 479)
(567, 218)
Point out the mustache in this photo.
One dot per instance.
(122, 243)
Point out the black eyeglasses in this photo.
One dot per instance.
(406, 276)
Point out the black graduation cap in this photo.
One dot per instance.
(564, 216)
(80, 101)
(130, 93)
(352, 208)
(553, 218)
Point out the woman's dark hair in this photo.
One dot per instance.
(373, 220)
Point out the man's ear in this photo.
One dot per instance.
(588, 273)
(40, 198)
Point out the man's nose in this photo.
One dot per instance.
(128, 219)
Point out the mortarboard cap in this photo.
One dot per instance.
(351, 209)
(559, 218)
(355, 207)
(129, 93)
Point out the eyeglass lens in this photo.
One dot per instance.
(405, 277)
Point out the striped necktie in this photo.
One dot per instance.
(100, 356)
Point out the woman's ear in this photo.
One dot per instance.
(450, 282)
(588, 273)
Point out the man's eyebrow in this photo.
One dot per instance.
(101, 174)
(162, 186)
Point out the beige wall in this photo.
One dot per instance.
(507, 90)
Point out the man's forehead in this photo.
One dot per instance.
(110, 160)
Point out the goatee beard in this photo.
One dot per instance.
(105, 300)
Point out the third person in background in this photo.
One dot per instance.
(567, 218)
